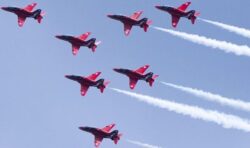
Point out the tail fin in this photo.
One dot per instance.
(102, 87)
(95, 45)
(117, 138)
(194, 17)
(40, 17)
(149, 22)
(144, 23)
(151, 81)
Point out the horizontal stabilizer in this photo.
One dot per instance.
(118, 138)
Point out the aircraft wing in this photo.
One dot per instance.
(142, 69)
(98, 141)
(108, 128)
(132, 83)
(175, 20)
(84, 89)
(30, 7)
(75, 49)
(84, 36)
(184, 6)
(94, 76)
(21, 20)
(127, 29)
(136, 15)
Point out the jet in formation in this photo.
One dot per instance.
(138, 74)
(78, 41)
(27, 12)
(86, 82)
(179, 12)
(133, 20)
(102, 133)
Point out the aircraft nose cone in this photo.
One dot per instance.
(110, 15)
(81, 128)
(4, 8)
(157, 6)
(58, 36)
(67, 76)
(116, 69)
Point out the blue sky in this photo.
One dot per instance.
(40, 108)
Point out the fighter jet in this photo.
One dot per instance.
(86, 82)
(179, 12)
(138, 74)
(27, 12)
(79, 41)
(133, 20)
(103, 133)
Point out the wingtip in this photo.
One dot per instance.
(126, 33)
(174, 25)
(83, 94)
(74, 53)
(98, 73)
(140, 11)
(20, 24)
(88, 33)
(34, 4)
(132, 87)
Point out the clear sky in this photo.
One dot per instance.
(39, 108)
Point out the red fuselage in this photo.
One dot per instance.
(124, 19)
(130, 73)
(76, 41)
(100, 133)
(83, 81)
(173, 11)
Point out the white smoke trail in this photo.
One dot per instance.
(238, 30)
(225, 120)
(145, 145)
(235, 103)
(213, 43)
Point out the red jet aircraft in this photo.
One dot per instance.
(179, 12)
(131, 21)
(103, 133)
(79, 41)
(86, 82)
(23, 13)
(138, 74)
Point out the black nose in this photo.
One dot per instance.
(110, 15)
(116, 69)
(81, 128)
(158, 7)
